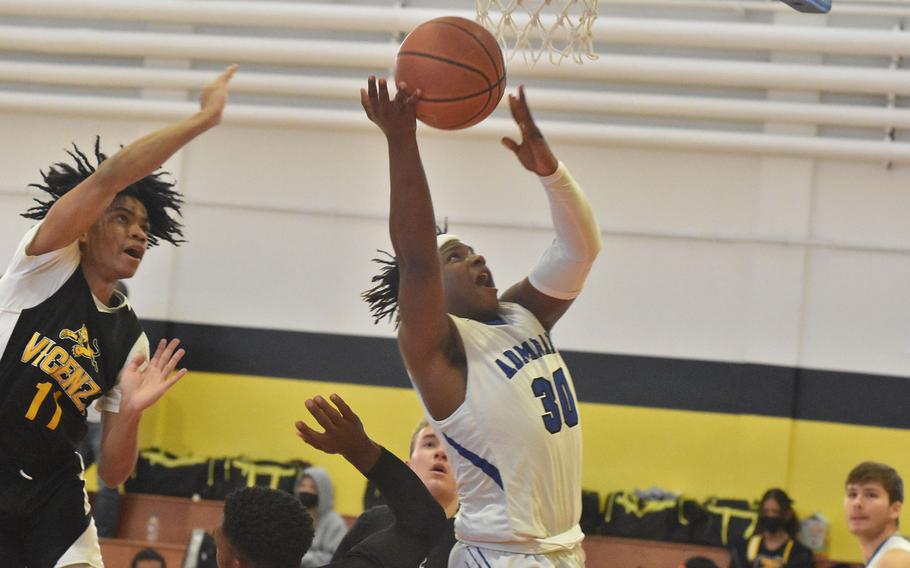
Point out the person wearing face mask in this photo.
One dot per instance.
(314, 490)
(774, 544)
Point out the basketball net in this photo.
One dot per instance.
(560, 28)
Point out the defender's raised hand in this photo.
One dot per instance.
(214, 96)
(344, 433)
(393, 116)
(534, 153)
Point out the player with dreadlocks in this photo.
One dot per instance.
(490, 380)
(67, 338)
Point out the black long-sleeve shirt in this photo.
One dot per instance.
(381, 517)
(418, 524)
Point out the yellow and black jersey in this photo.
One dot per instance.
(59, 356)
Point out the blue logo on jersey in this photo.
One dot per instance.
(519, 355)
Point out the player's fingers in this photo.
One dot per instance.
(158, 351)
(172, 380)
(168, 353)
(344, 409)
(174, 361)
(330, 412)
(310, 436)
(383, 91)
(319, 414)
(511, 144)
(414, 97)
(136, 362)
(228, 73)
(371, 87)
(366, 103)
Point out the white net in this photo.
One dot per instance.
(559, 28)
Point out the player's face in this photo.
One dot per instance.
(868, 511)
(116, 243)
(430, 463)
(469, 288)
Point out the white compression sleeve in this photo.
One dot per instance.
(562, 270)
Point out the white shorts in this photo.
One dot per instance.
(85, 551)
(470, 556)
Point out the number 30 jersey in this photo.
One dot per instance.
(61, 350)
(515, 443)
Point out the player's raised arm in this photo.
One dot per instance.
(559, 276)
(427, 339)
(78, 209)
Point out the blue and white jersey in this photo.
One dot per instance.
(892, 542)
(515, 443)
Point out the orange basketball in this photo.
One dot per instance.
(459, 68)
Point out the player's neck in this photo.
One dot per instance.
(869, 544)
(451, 507)
(102, 288)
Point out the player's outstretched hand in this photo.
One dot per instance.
(534, 153)
(141, 387)
(214, 96)
(395, 117)
(344, 433)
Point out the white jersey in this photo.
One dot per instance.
(515, 443)
(893, 541)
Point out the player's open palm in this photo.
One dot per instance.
(533, 152)
(142, 385)
(344, 433)
(394, 116)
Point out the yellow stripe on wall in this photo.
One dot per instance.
(699, 454)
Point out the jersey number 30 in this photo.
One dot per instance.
(556, 413)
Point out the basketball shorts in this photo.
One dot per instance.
(45, 520)
(470, 556)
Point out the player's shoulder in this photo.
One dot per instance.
(517, 314)
(897, 557)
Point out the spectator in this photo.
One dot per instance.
(148, 558)
(314, 489)
(773, 544)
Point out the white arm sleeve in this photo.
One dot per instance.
(562, 270)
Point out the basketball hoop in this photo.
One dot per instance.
(560, 28)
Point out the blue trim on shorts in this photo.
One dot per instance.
(478, 461)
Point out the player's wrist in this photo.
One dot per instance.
(364, 455)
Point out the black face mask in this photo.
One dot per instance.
(770, 524)
(307, 499)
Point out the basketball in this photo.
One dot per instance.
(459, 68)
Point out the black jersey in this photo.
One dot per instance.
(60, 356)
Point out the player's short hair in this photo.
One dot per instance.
(882, 473)
(420, 426)
(267, 527)
(148, 554)
(383, 296)
(152, 191)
